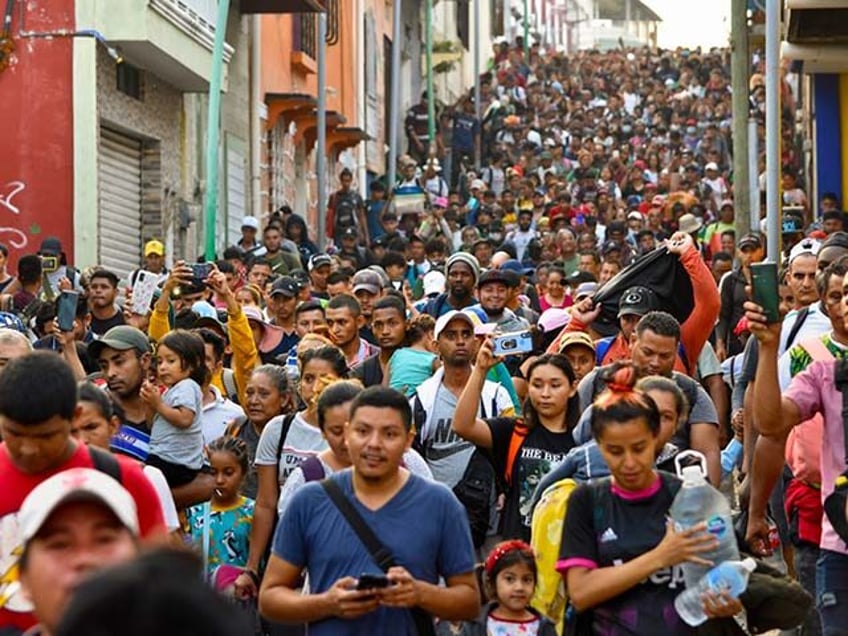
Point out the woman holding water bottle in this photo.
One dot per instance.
(620, 555)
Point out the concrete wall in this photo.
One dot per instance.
(156, 121)
(36, 144)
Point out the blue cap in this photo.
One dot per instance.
(512, 265)
(204, 310)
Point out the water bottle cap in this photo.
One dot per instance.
(749, 564)
(692, 475)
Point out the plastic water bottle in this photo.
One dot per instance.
(730, 577)
(698, 502)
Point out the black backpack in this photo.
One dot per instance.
(105, 462)
(475, 489)
(345, 212)
(235, 427)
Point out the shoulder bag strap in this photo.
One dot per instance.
(105, 462)
(800, 319)
(380, 553)
(284, 432)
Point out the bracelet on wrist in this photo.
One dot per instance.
(253, 576)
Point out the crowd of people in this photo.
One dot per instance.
(361, 438)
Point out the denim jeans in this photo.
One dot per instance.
(832, 592)
(806, 555)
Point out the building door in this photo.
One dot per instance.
(119, 216)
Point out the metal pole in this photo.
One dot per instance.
(526, 32)
(753, 174)
(255, 117)
(321, 160)
(477, 107)
(213, 130)
(773, 129)
(431, 97)
(394, 119)
(739, 79)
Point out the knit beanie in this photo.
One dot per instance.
(468, 259)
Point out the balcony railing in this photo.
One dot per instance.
(304, 34)
(196, 18)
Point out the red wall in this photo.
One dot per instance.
(36, 131)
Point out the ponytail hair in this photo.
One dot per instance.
(621, 402)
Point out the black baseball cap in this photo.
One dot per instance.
(610, 246)
(494, 276)
(636, 301)
(750, 240)
(319, 260)
(286, 286)
(51, 246)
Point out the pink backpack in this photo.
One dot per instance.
(803, 446)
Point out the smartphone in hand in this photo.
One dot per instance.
(765, 292)
(66, 311)
(372, 582)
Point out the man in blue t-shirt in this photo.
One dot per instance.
(421, 523)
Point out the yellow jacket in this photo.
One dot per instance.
(245, 354)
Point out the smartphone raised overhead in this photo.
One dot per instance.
(765, 292)
(66, 311)
(200, 271)
(142, 292)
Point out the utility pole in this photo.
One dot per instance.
(478, 113)
(773, 129)
(739, 67)
(394, 119)
(213, 126)
(321, 159)
(431, 98)
(526, 32)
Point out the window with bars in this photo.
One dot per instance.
(305, 33)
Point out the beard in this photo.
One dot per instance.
(460, 292)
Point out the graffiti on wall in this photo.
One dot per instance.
(15, 237)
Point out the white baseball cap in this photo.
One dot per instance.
(807, 246)
(250, 221)
(712, 165)
(434, 283)
(480, 328)
(75, 484)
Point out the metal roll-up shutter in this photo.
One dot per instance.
(236, 195)
(119, 221)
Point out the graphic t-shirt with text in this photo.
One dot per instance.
(540, 452)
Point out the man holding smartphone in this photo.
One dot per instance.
(315, 535)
